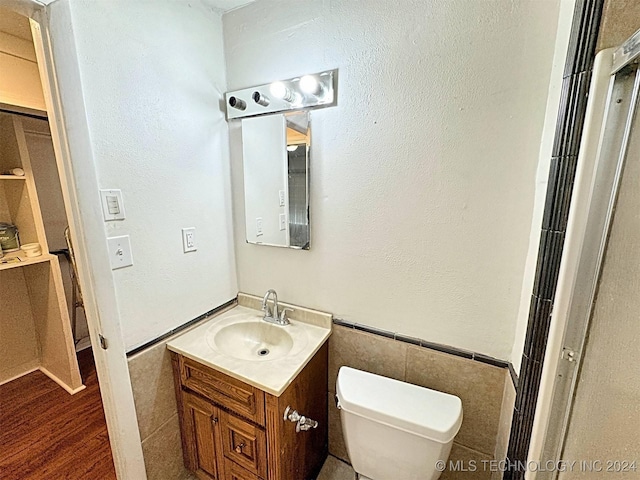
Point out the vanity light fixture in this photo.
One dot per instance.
(315, 90)
(235, 102)
(260, 99)
(279, 90)
(310, 85)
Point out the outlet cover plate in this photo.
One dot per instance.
(189, 239)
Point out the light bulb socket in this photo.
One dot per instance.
(235, 102)
(281, 91)
(290, 96)
(260, 99)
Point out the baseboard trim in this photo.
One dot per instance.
(15, 377)
(83, 344)
(69, 390)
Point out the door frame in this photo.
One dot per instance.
(593, 205)
(79, 181)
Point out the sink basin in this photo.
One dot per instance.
(254, 341)
(239, 343)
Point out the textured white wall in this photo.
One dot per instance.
(423, 177)
(153, 76)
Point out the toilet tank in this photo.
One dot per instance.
(395, 430)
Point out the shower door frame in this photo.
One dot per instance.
(589, 225)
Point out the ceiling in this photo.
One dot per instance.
(226, 5)
(14, 24)
(18, 25)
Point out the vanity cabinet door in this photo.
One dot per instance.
(201, 439)
(244, 444)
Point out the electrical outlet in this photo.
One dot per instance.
(258, 226)
(189, 239)
(281, 195)
(283, 222)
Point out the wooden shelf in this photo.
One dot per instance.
(24, 261)
(34, 316)
(12, 177)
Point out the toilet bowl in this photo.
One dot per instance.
(394, 430)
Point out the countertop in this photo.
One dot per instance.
(271, 375)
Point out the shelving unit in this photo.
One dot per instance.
(23, 261)
(35, 331)
(11, 177)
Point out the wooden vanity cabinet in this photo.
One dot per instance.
(234, 431)
(199, 432)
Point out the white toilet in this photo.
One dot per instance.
(394, 430)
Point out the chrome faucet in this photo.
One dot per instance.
(274, 315)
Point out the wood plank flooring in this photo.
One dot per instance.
(45, 433)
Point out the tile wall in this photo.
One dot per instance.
(562, 171)
(487, 391)
(620, 20)
(152, 382)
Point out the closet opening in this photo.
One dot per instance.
(52, 421)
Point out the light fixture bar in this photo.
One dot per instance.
(305, 92)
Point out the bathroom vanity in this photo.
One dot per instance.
(243, 415)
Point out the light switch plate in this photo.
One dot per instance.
(283, 222)
(120, 252)
(112, 205)
(258, 226)
(281, 197)
(189, 239)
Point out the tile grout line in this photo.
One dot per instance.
(175, 414)
(477, 357)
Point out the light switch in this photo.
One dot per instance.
(281, 194)
(112, 205)
(189, 239)
(258, 226)
(120, 252)
(283, 222)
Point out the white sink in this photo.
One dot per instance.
(253, 341)
(241, 344)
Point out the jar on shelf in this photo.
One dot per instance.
(9, 238)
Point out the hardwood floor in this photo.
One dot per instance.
(45, 433)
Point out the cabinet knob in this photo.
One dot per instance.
(215, 420)
(239, 448)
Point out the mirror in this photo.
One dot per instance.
(275, 151)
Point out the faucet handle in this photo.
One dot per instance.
(283, 314)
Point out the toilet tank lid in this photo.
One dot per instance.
(418, 410)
